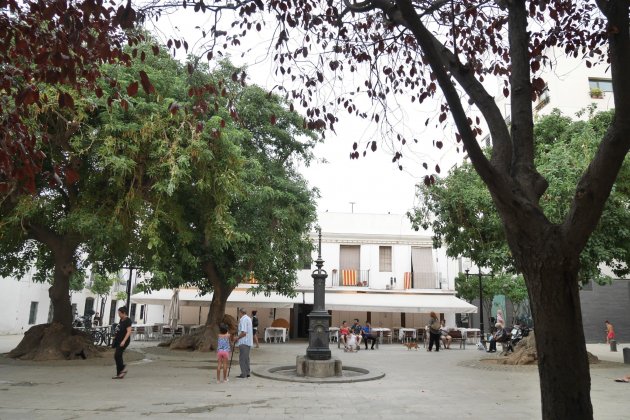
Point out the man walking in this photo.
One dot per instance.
(244, 343)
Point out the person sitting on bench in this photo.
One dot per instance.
(368, 335)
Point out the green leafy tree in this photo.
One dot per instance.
(263, 229)
(106, 154)
(460, 212)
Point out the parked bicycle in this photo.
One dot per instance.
(101, 336)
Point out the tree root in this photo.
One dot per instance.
(52, 342)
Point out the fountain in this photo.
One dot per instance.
(318, 365)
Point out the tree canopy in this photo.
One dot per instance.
(459, 210)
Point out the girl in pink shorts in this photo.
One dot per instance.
(223, 353)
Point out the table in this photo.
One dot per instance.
(276, 333)
(402, 331)
(333, 334)
(380, 332)
(473, 335)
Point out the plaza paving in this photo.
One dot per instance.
(163, 384)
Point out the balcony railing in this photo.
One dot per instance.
(421, 280)
(351, 278)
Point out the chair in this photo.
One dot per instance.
(396, 334)
(281, 323)
(179, 331)
(167, 331)
(387, 336)
(408, 337)
(155, 332)
(139, 331)
(420, 334)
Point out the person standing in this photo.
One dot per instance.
(610, 332)
(434, 332)
(500, 319)
(122, 337)
(223, 352)
(255, 327)
(244, 343)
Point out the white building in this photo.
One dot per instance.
(379, 270)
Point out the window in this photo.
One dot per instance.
(385, 259)
(112, 311)
(132, 312)
(349, 257)
(74, 309)
(89, 306)
(605, 85)
(32, 316)
(142, 311)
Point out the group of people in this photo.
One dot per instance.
(352, 336)
(245, 338)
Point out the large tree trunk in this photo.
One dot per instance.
(563, 368)
(59, 292)
(57, 340)
(206, 339)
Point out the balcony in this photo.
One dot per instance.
(350, 278)
(421, 280)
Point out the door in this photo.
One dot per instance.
(302, 318)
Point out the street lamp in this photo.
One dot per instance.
(481, 325)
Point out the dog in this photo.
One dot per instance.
(411, 345)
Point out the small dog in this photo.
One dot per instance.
(411, 345)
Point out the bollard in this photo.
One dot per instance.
(626, 355)
(613, 345)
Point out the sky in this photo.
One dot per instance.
(370, 184)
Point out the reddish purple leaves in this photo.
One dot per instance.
(146, 83)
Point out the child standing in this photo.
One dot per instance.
(223, 353)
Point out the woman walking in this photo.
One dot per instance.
(434, 332)
(122, 337)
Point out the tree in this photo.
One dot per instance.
(59, 43)
(415, 47)
(511, 286)
(74, 216)
(261, 232)
(459, 209)
(101, 286)
(89, 200)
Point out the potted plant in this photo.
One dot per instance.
(596, 93)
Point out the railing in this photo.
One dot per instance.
(351, 278)
(421, 280)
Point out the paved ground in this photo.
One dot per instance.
(172, 385)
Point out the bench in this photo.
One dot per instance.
(457, 335)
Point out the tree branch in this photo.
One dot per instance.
(429, 46)
(522, 128)
(595, 185)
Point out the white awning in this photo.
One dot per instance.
(191, 297)
(397, 302)
(372, 301)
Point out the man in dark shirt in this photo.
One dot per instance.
(122, 337)
(357, 330)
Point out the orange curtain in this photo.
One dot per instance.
(407, 280)
(349, 277)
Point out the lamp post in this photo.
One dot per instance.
(481, 324)
(319, 318)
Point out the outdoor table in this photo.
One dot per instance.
(276, 333)
(333, 334)
(380, 332)
(472, 334)
(402, 331)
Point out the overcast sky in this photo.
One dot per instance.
(371, 184)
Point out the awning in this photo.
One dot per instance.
(372, 301)
(395, 302)
(191, 297)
